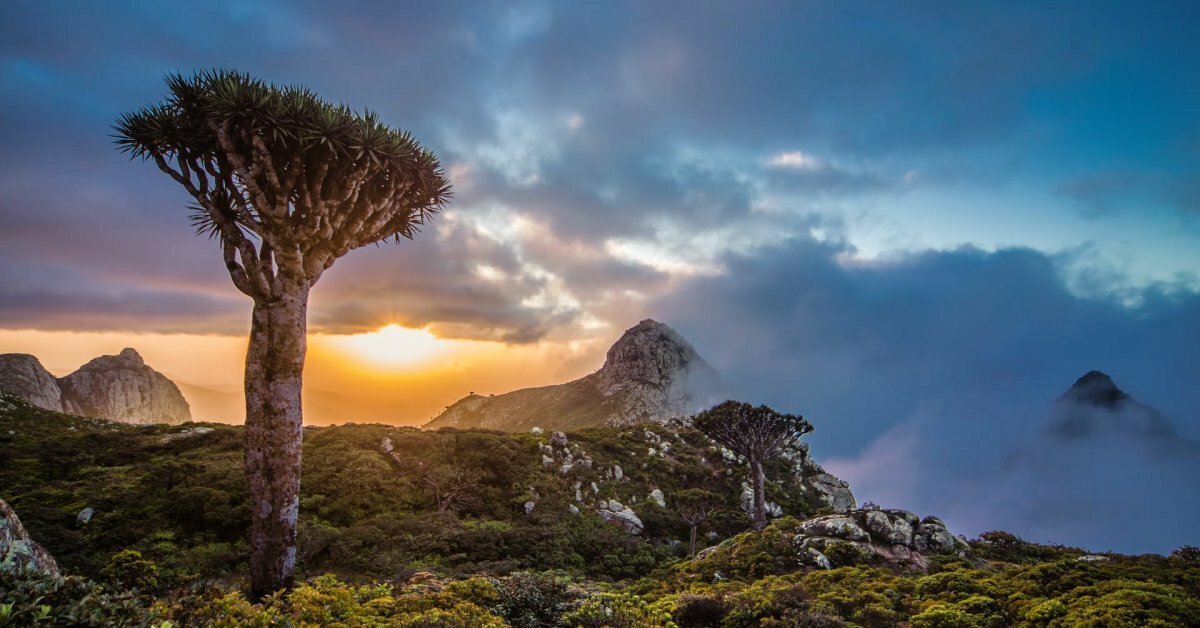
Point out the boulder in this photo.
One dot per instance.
(85, 516)
(614, 512)
(558, 439)
(18, 552)
(24, 376)
(658, 498)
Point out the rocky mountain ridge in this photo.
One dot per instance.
(650, 374)
(118, 387)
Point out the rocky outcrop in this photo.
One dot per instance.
(650, 374)
(24, 376)
(123, 388)
(831, 491)
(897, 538)
(18, 552)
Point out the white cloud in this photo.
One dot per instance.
(796, 160)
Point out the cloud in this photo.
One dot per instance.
(924, 372)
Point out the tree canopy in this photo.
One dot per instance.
(281, 176)
(754, 432)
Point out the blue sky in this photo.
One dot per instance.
(950, 205)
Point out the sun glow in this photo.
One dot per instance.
(392, 345)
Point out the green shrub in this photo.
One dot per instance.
(34, 600)
(617, 610)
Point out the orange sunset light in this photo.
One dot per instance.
(392, 346)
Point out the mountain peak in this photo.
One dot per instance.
(650, 344)
(130, 354)
(651, 373)
(1096, 388)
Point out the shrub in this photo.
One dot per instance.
(33, 600)
(531, 600)
(617, 610)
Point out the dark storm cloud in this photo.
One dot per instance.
(924, 373)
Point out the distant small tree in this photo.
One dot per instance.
(695, 507)
(758, 433)
(287, 183)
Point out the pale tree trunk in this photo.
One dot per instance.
(692, 541)
(760, 495)
(274, 370)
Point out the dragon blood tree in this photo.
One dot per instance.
(287, 183)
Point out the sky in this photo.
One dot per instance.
(916, 224)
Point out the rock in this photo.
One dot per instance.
(1092, 558)
(836, 526)
(85, 516)
(24, 376)
(123, 388)
(835, 493)
(818, 559)
(547, 461)
(558, 439)
(565, 469)
(888, 528)
(650, 374)
(535, 430)
(933, 537)
(658, 498)
(747, 503)
(617, 472)
(573, 508)
(884, 536)
(595, 489)
(19, 552)
(195, 431)
(386, 445)
(623, 517)
(529, 506)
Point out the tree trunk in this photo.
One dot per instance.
(692, 542)
(274, 369)
(760, 495)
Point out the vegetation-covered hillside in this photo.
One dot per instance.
(472, 528)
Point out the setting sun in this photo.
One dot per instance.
(392, 345)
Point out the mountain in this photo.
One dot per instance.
(23, 375)
(1094, 405)
(117, 387)
(650, 374)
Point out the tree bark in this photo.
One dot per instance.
(274, 371)
(692, 541)
(760, 495)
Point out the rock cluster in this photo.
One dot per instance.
(18, 552)
(897, 538)
(115, 387)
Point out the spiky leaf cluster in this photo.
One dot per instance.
(284, 178)
(756, 432)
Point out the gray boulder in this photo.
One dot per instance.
(18, 552)
(621, 515)
(24, 376)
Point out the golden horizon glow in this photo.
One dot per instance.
(413, 376)
(392, 346)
